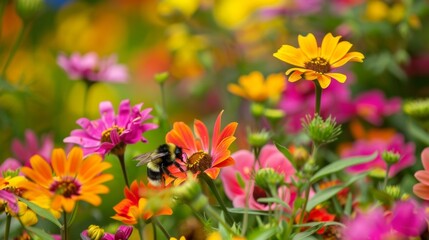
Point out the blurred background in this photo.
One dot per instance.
(204, 45)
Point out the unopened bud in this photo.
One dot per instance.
(321, 131)
(257, 109)
(161, 77)
(267, 178)
(258, 139)
(28, 9)
(394, 191)
(300, 157)
(190, 193)
(95, 232)
(390, 157)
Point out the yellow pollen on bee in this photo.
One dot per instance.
(199, 161)
(105, 136)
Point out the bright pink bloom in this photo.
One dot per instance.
(421, 189)
(123, 233)
(23, 151)
(90, 68)
(372, 106)
(110, 131)
(367, 226)
(269, 157)
(408, 218)
(395, 143)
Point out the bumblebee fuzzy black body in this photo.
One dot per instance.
(159, 161)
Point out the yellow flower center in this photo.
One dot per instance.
(199, 161)
(318, 64)
(105, 136)
(95, 232)
(65, 187)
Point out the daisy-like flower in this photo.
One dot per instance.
(67, 180)
(255, 88)
(91, 68)
(316, 63)
(111, 133)
(201, 156)
(137, 203)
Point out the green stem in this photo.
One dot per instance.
(159, 225)
(386, 177)
(154, 231)
(14, 48)
(318, 97)
(124, 170)
(65, 227)
(142, 223)
(7, 227)
(214, 190)
(304, 206)
(216, 216)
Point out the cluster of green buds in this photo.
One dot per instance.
(321, 131)
(268, 179)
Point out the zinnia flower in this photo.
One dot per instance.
(255, 88)
(372, 106)
(68, 179)
(95, 232)
(136, 205)
(201, 156)
(111, 133)
(421, 189)
(7, 197)
(241, 172)
(316, 63)
(90, 68)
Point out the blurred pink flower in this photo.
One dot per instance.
(90, 68)
(23, 151)
(406, 219)
(112, 132)
(124, 232)
(269, 157)
(421, 189)
(372, 106)
(380, 143)
(298, 100)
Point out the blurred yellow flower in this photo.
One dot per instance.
(181, 238)
(170, 8)
(255, 88)
(379, 10)
(316, 63)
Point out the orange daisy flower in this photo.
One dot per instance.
(201, 156)
(67, 179)
(316, 63)
(137, 205)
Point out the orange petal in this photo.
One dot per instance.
(228, 131)
(422, 176)
(202, 133)
(216, 128)
(212, 172)
(220, 152)
(425, 158)
(329, 44)
(182, 136)
(225, 163)
(237, 90)
(421, 190)
(41, 166)
(295, 76)
(91, 198)
(58, 161)
(308, 45)
(74, 161)
(291, 55)
(68, 204)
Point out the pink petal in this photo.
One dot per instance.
(107, 114)
(425, 158)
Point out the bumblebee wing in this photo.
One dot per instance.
(148, 157)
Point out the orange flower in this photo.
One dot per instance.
(316, 63)
(421, 189)
(67, 179)
(137, 205)
(201, 157)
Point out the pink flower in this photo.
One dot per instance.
(269, 157)
(90, 68)
(366, 226)
(112, 132)
(24, 150)
(395, 143)
(421, 189)
(372, 106)
(408, 218)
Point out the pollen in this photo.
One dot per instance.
(66, 187)
(319, 65)
(105, 136)
(199, 161)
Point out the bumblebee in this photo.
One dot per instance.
(159, 161)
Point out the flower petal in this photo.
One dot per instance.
(202, 133)
(352, 56)
(324, 80)
(421, 190)
(107, 113)
(182, 136)
(295, 76)
(329, 44)
(308, 45)
(422, 176)
(212, 172)
(339, 52)
(58, 161)
(291, 55)
(337, 76)
(74, 160)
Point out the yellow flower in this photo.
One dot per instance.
(253, 87)
(181, 238)
(66, 180)
(316, 63)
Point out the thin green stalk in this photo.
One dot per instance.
(386, 177)
(142, 223)
(15, 48)
(124, 170)
(159, 225)
(308, 185)
(7, 227)
(214, 190)
(216, 216)
(65, 227)
(154, 230)
(318, 97)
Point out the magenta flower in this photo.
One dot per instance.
(112, 132)
(408, 218)
(371, 225)
(123, 233)
(269, 157)
(90, 68)
(23, 151)
(10, 199)
(298, 101)
(394, 143)
(372, 106)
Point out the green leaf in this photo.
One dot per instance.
(382, 196)
(326, 194)
(274, 200)
(262, 233)
(285, 151)
(341, 165)
(418, 133)
(248, 211)
(307, 233)
(41, 212)
(40, 233)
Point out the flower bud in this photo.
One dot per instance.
(267, 178)
(95, 232)
(274, 114)
(161, 77)
(300, 157)
(321, 131)
(259, 139)
(28, 9)
(393, 191)
(190, 193)
(257, 109)
(390, 157)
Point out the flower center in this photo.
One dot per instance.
(318, 64)
(66, 187)
(258, 192)
(199, 161)
(105, 136)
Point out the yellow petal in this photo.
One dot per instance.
(329, 44)
(339, 52)
(302, 70)
(237, 90)
(324, 81)
(352, 56)
(338, 76)
(308, 45)
(291, 55)
(295, 76)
